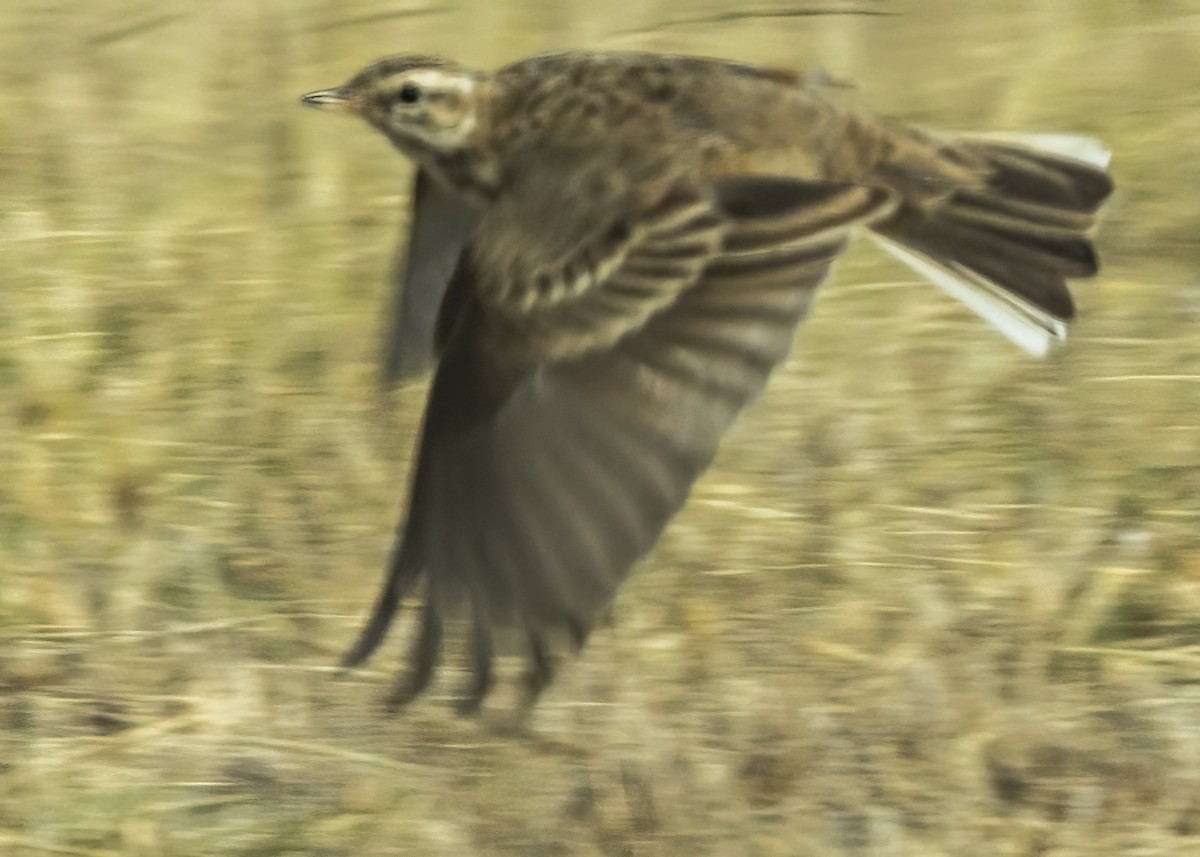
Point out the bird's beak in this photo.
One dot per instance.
(337, 98)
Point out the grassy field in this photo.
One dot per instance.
(935, 599)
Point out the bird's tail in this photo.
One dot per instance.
(1007, 247)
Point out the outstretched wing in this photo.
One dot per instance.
(575, 405)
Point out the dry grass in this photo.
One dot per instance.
(935, 599)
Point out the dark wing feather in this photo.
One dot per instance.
(442, 223)
(561, 439)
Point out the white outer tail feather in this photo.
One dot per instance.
(1025, 325)
(1020, 322)
(1076, 146)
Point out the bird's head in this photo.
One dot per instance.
(423, 104)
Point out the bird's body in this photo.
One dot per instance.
(609, 253)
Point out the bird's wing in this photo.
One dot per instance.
(569, 416)
(441, 226)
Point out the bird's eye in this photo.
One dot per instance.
(410, 93)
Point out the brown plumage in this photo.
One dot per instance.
(608, 255)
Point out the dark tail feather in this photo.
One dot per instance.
(1007, 248)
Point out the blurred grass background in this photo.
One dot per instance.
(935, 599)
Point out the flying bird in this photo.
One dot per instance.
(607, 256)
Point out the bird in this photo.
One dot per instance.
(608, 254)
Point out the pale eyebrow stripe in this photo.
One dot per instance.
(430, 78)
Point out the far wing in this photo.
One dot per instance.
(442, 223)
